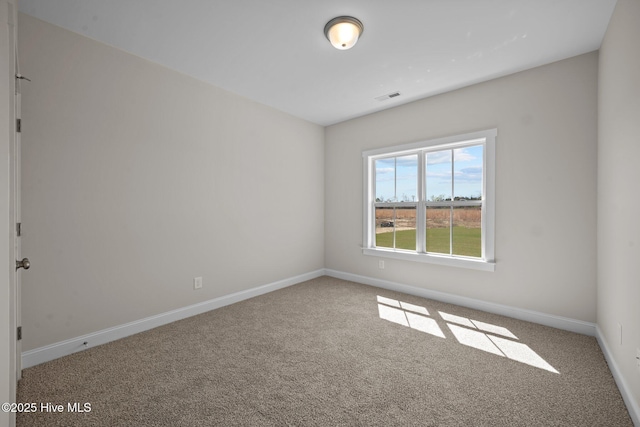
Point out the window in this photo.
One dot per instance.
(432, 201)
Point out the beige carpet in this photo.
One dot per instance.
(334, 353)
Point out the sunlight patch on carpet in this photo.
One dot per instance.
(494, 329)
(480, 339)
(409, 315)
(472, 333)
(522, 353)
(474, 339)
(456, 319)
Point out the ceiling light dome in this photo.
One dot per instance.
(343, 32)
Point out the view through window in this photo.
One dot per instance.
(432, 198)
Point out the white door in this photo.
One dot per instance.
(14, 197)
(21, 263)
(8, 122)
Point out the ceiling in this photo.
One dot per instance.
(275, 52)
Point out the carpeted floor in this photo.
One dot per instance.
(333, 353)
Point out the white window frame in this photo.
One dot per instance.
(487, 138)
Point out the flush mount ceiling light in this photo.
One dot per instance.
(343, 32)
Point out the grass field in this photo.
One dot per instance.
(466, 241)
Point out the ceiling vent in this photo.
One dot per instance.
(387, 96)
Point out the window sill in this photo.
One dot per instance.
(474, 264)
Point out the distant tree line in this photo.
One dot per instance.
(433, 198)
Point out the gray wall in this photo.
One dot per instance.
(136, 179)
(618, 179)
(545, 187)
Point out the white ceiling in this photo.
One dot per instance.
(275, 51)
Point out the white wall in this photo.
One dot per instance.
(618, 200)
(136, 179)
(545, 187)
(8, 24)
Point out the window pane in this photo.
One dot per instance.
(467, 231)
(438, 171)
(468, 173)
(438, 230)
(406, 228)
(396, 179)
(407, 178)
(385, 179)
(385, 225)
(396, 228)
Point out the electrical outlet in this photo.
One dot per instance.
(197, 283)
(381, 264)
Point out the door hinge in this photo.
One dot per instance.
(19, 333)
(18, 125)
(18, 229)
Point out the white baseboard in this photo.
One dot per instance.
(558, 322)
(625, 390)
(64, 348)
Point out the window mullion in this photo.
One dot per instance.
(395, 221)
(451, 230)
(421, 213)
(452, 199)
(395, 183)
